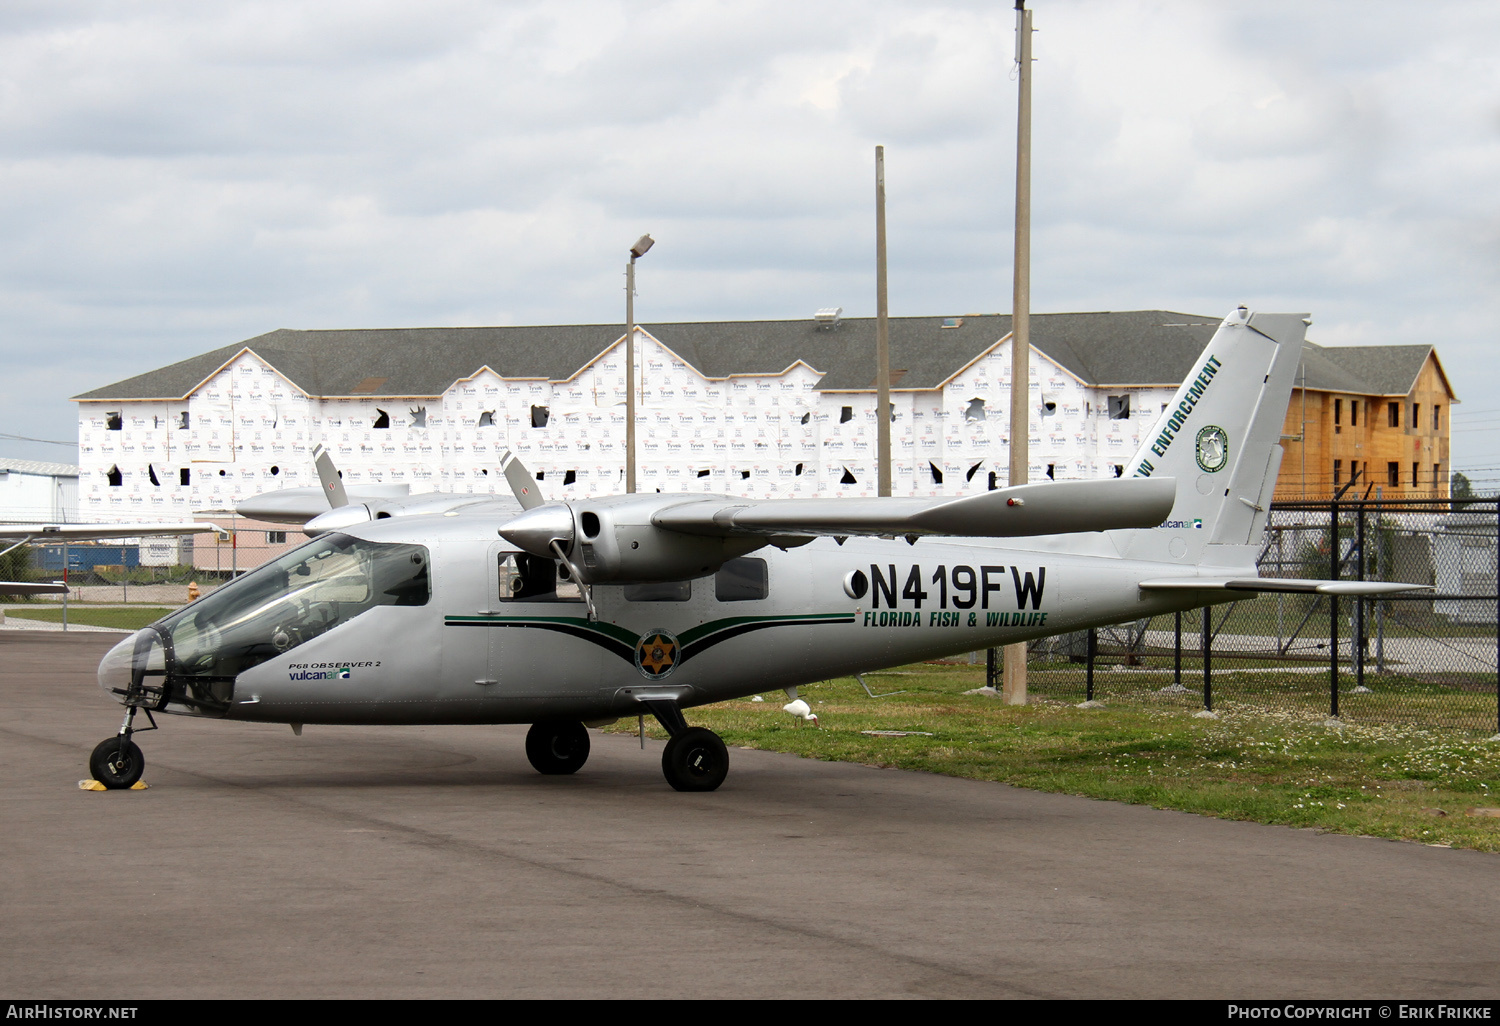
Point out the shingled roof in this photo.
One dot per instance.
(1134, 348)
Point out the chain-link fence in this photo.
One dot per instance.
(1430, 657)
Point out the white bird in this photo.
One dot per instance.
(801, 710)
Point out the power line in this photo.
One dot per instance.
(47, 441)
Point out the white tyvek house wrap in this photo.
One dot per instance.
(759, 436)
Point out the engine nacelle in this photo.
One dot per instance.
(612, 540)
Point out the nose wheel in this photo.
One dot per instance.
(117, 763)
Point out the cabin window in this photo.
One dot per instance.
(741, 580)
(659, 591)
(527, 578)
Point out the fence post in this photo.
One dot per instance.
(1333, 611)
(991, 670)
(1177, 653)
(1359, 604)
(1093, 651)
(1208, 686)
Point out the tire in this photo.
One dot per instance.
(116, 764)
(695, 760)
(557, 747)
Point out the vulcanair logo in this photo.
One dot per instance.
(340, 673)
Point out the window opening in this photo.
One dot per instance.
(659, 591)
(1049, 406)
(116, 479)
(185, 476)
(1119, 407)
(806, 417)
(744, 475)
(183, 420)
(704, 473)
(418, 417)
(1338, 411)
(798, 472)
(114, 422)
(539, 416)
(741, 580)
(994, 481)
(382, 420)
(973, 470)
(1119, 470)
(1416, 474)
(1436, 409)
(487, 419)
(275, 471)
(848, 478)
(1052, 470)
(1354, 413)
(1393, 474)
(1416, 408)
(1338, 471)
(1393, 414)
(570, 477)
(151, 475)
(275, 537)
(937, 475)
(975, 410)
(527, 578)
(846, 414)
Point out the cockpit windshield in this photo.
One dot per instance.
(291, 600)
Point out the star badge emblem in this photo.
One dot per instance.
(656, 654)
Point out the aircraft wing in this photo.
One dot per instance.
(1061, 507)
(31, 588)
(95, 532)
(1280, 584)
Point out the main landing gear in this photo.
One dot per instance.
(695, 758)
(117, 762)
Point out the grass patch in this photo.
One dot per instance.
(130, 618)
(1279, 766)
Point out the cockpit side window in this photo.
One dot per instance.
(526, 578)
(293, 599)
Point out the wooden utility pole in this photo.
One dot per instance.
(1014, 686)
(882, 333)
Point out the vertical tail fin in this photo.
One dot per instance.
(1220, 438)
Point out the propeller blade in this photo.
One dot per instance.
(521, 481)
(333, 485)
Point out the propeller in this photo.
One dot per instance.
(333, 485)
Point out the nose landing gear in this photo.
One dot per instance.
(117, 762)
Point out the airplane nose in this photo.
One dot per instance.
(136, 667)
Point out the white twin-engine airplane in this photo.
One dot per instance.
(462, 609)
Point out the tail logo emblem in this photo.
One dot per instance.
(1212, 448)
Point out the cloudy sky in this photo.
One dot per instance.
(178, 176)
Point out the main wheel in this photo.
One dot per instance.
(557, 746)
(695, 760)
(116, 763)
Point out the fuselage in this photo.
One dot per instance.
(436, 619)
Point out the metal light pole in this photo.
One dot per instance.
(1014, 688)
(882, 334)
(644, 243)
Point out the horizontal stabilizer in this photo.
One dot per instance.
(31, 588)
(1061, 507)
(44, 533)
(1281, 584)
